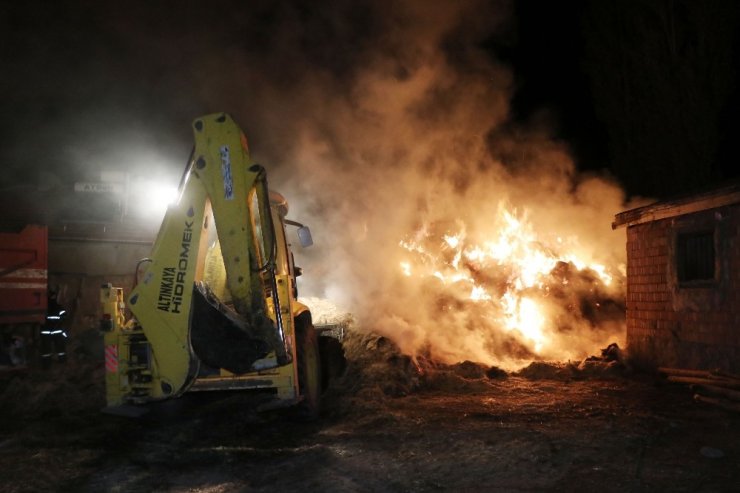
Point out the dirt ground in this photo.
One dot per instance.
(386, 427)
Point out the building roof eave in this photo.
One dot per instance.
(679, 206)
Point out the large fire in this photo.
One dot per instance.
(395, 170)
(540, 293)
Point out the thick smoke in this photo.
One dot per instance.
(379, 121)
(413, 134)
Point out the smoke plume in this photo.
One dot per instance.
(387, 126)
(409, 139)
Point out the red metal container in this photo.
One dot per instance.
(23, 276)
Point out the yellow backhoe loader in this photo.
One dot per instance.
(215, 307)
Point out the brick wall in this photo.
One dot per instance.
(690, 325)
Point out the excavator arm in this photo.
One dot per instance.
(223, 214)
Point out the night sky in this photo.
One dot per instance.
(552, 81)
(90, 85)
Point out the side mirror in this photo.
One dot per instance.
(304, 236)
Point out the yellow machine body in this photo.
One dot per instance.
(215, 306)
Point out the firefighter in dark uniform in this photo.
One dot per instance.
(53, 335)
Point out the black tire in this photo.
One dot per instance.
(309, 372)
(333, 361)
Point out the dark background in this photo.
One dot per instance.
(645, 90)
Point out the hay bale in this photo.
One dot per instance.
(601, 369)
(374, 361)
(449, 381)
(543, 370)
(469, 369)
(496, 373)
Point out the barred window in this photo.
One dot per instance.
(695, 256)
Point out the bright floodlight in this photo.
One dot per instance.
(149, 199)
(158, 197)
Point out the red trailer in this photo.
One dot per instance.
(23, 292)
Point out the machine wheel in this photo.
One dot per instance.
(309, 372)
(333, 362)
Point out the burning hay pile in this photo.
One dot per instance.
(507, 301)
(443, 224)
(611, 364)
(377, 369)
(518, 296)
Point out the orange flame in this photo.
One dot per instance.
(510, 274)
